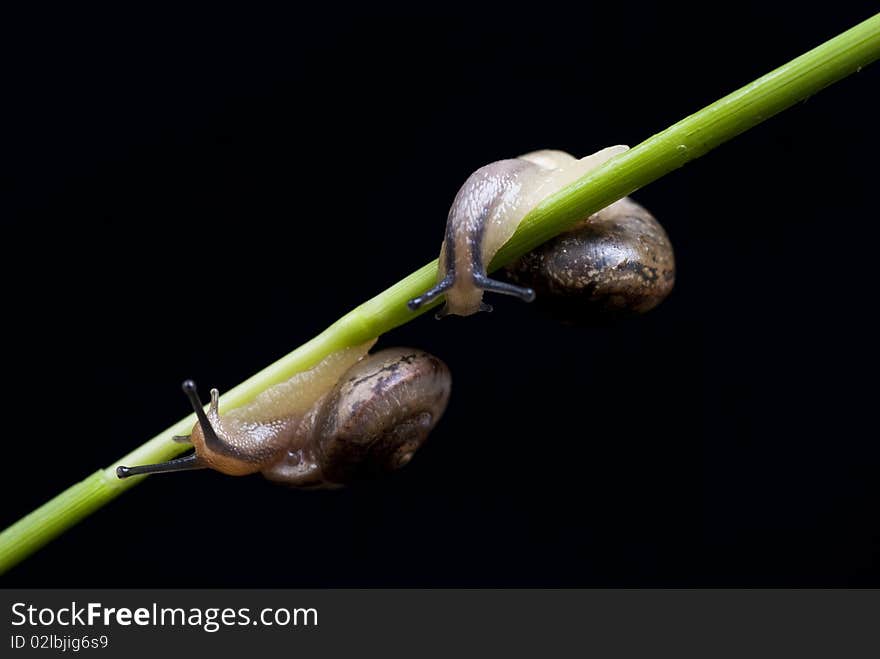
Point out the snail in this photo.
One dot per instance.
(484, 215)
(617, 262)
(351, 416)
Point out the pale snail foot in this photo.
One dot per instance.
(440, 315)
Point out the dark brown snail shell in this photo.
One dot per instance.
(372, 421)
(616, 263)
(380, 413)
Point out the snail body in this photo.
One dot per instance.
(484, 215)
(352, 415)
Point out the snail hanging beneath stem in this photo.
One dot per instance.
(618, 261)
(352, 416)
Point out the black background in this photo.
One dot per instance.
(194, 194)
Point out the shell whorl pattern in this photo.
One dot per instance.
(380, 413)
(372, 421)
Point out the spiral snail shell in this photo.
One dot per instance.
(617, 262)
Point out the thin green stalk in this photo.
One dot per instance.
(659, 155)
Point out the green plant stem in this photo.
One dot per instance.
(659, 155)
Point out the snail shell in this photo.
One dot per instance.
(372, 421)
(616, 262)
